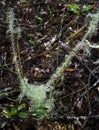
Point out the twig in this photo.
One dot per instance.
(77, 58)
(73, 118)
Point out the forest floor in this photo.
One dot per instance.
(49, 31)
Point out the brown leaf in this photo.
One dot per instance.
(71, 69)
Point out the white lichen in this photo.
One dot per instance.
(35, 93)
(91, 29)
(93, 24)
(92, 46)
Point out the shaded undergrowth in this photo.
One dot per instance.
(49, 32)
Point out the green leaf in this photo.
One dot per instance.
(74, 7)
(4, 93)
(23, 115)
(48, 8)
(38, 18)
(11, 112)
(31, 42)
(87, 8)
(40, 108)
(30, 35)
(22, 106)
(41, 111)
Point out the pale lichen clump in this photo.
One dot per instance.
(36, 93)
